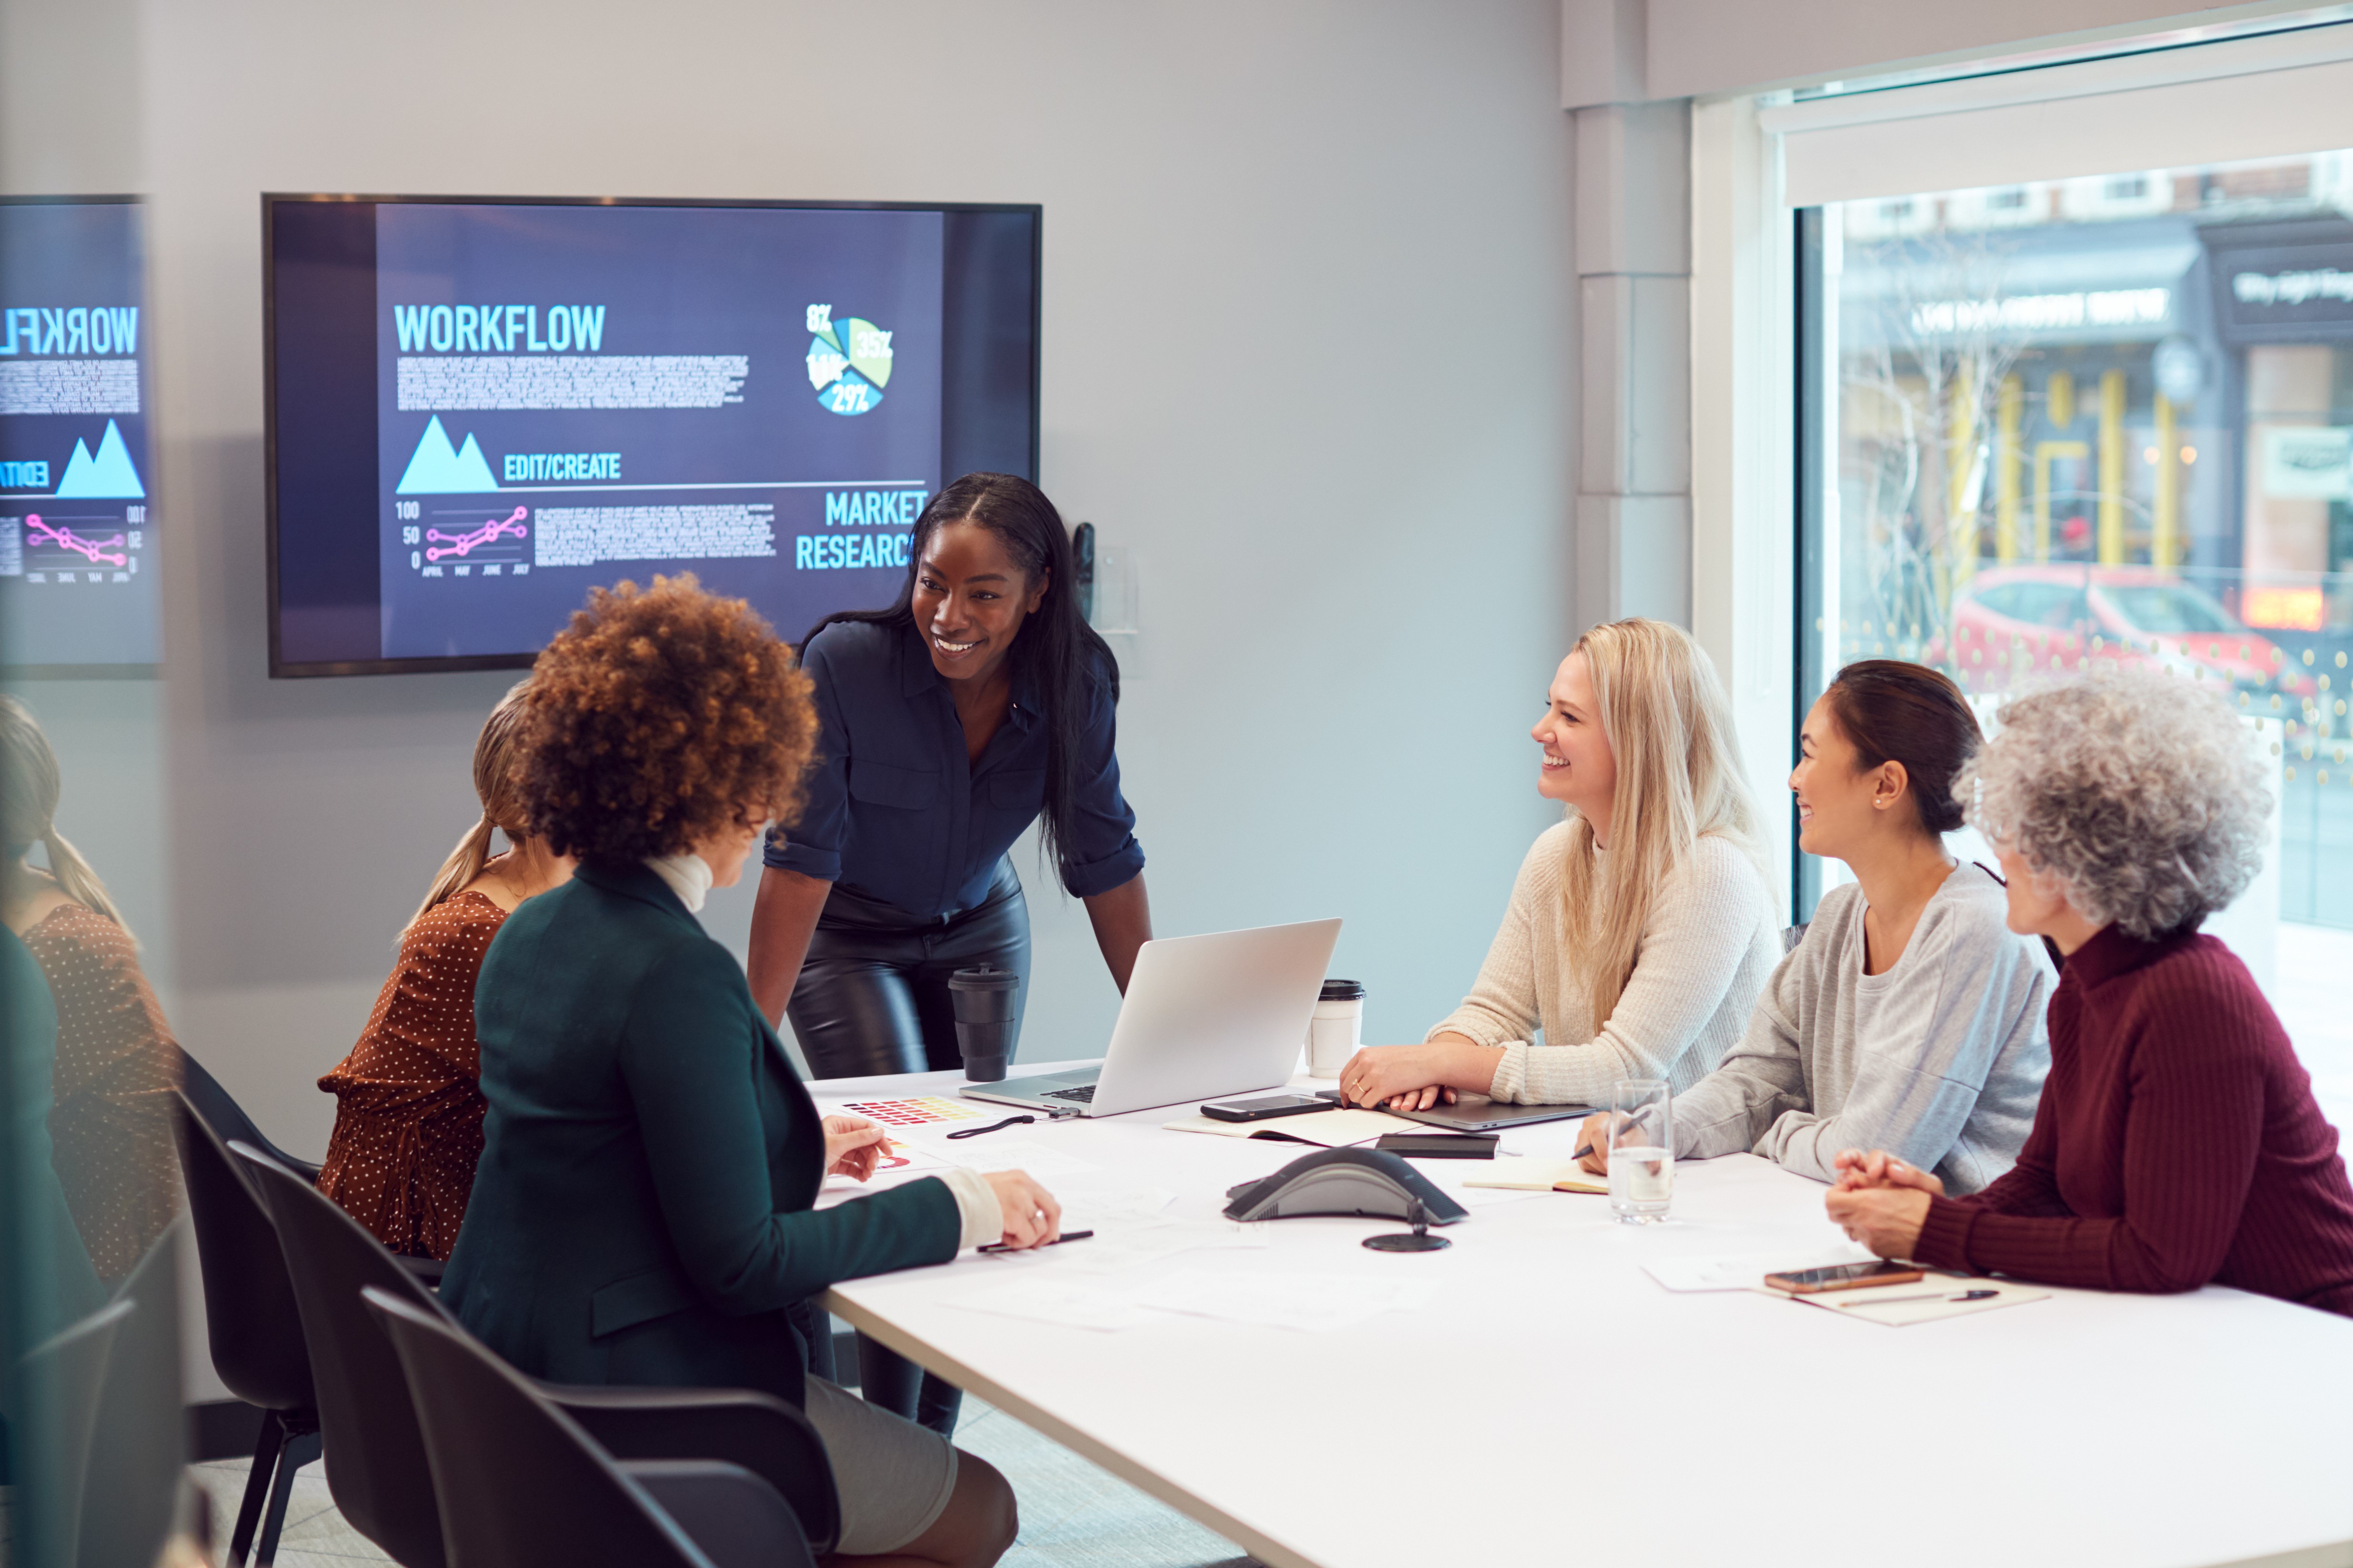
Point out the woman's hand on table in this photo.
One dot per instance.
(1415, 1078)
(1032, 1217)
(1886, 1220)
(1861, 1171)
(852, 1146)
(1403, 1078)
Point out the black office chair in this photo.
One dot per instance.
(227, 1118)
(55, 1390)
(253, 1325)
(138, 1439)
(523, 1486)
(375, 1448)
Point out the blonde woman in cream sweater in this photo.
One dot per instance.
(1641, 929)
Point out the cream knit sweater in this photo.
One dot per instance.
(1705, 952)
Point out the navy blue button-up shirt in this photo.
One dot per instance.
(896, 809)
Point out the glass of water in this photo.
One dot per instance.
(1641, 1150)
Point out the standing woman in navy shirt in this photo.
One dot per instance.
(978, 703)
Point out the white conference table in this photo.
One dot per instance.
(1553, 1405)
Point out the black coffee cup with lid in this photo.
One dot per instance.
(987, 1013)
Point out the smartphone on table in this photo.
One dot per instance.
(1263, 1107)
(1845, 1277)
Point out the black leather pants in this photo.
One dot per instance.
(873, 992)
(872, 998)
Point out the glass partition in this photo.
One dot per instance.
(93, 1429)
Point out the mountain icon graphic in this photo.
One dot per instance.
(108, 475)
(440, 469)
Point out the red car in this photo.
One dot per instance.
(2013, 623)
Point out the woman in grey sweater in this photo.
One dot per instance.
(1910, 1018)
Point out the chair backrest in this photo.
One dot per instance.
(138, 1440)
(217, 1108)
(376, 1467)
(521, 1486)
(250, 1318)
(55, 1390)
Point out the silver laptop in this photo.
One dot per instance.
(1204, 1017)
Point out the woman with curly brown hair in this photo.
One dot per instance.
(640, 1212)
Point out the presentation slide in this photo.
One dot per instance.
(77, 583)
(568, 396)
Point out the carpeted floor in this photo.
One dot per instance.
(1073, 1514)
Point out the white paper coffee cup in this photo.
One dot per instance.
(1336, 1030)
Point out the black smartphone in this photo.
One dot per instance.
(1438, 1146)
(1261, 1108)
(1843, 1276)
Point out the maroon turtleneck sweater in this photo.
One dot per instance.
(2177, 1144)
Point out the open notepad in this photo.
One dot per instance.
(1923, 1301)
(1540, 1176)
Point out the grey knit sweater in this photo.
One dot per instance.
(1939, 1060)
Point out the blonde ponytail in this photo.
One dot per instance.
(29, 784)
(465, 863)
(497, 752)
(77, 880)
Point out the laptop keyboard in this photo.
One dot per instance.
(1084, 1094)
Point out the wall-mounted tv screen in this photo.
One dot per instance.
(78, 592)
(480, 408)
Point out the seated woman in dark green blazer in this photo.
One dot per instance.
(641, 1214)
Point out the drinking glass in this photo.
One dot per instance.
(1641, 1150)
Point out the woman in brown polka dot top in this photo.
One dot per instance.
(110, 1133)
(409, 1118)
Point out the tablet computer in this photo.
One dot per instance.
(1467, 1115)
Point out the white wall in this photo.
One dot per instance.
(1306, 351)
(1696, 48)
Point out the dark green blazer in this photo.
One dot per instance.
(641, 1214)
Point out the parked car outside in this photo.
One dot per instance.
(2012, 624)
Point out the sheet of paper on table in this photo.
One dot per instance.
(1040, 1160)
(1746, 1270)
(1309, 1303)
(901, 1162)
(1118, 1246)
(1326, 1129)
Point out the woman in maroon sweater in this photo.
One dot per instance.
(2177, 1144)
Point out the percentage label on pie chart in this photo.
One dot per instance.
(848, 362)
(462, 545)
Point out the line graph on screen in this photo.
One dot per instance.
(39, 534)
(463, 545)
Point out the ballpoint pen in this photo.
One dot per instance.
(1929, 1296)
(1066, 1236)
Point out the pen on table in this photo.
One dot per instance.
(1066, 1236)
(1930, 1296)
(993, 1127)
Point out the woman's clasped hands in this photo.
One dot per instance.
(1881, 1200)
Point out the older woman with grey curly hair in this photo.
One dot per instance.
(2176, 1143)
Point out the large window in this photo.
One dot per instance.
(2107, 420)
